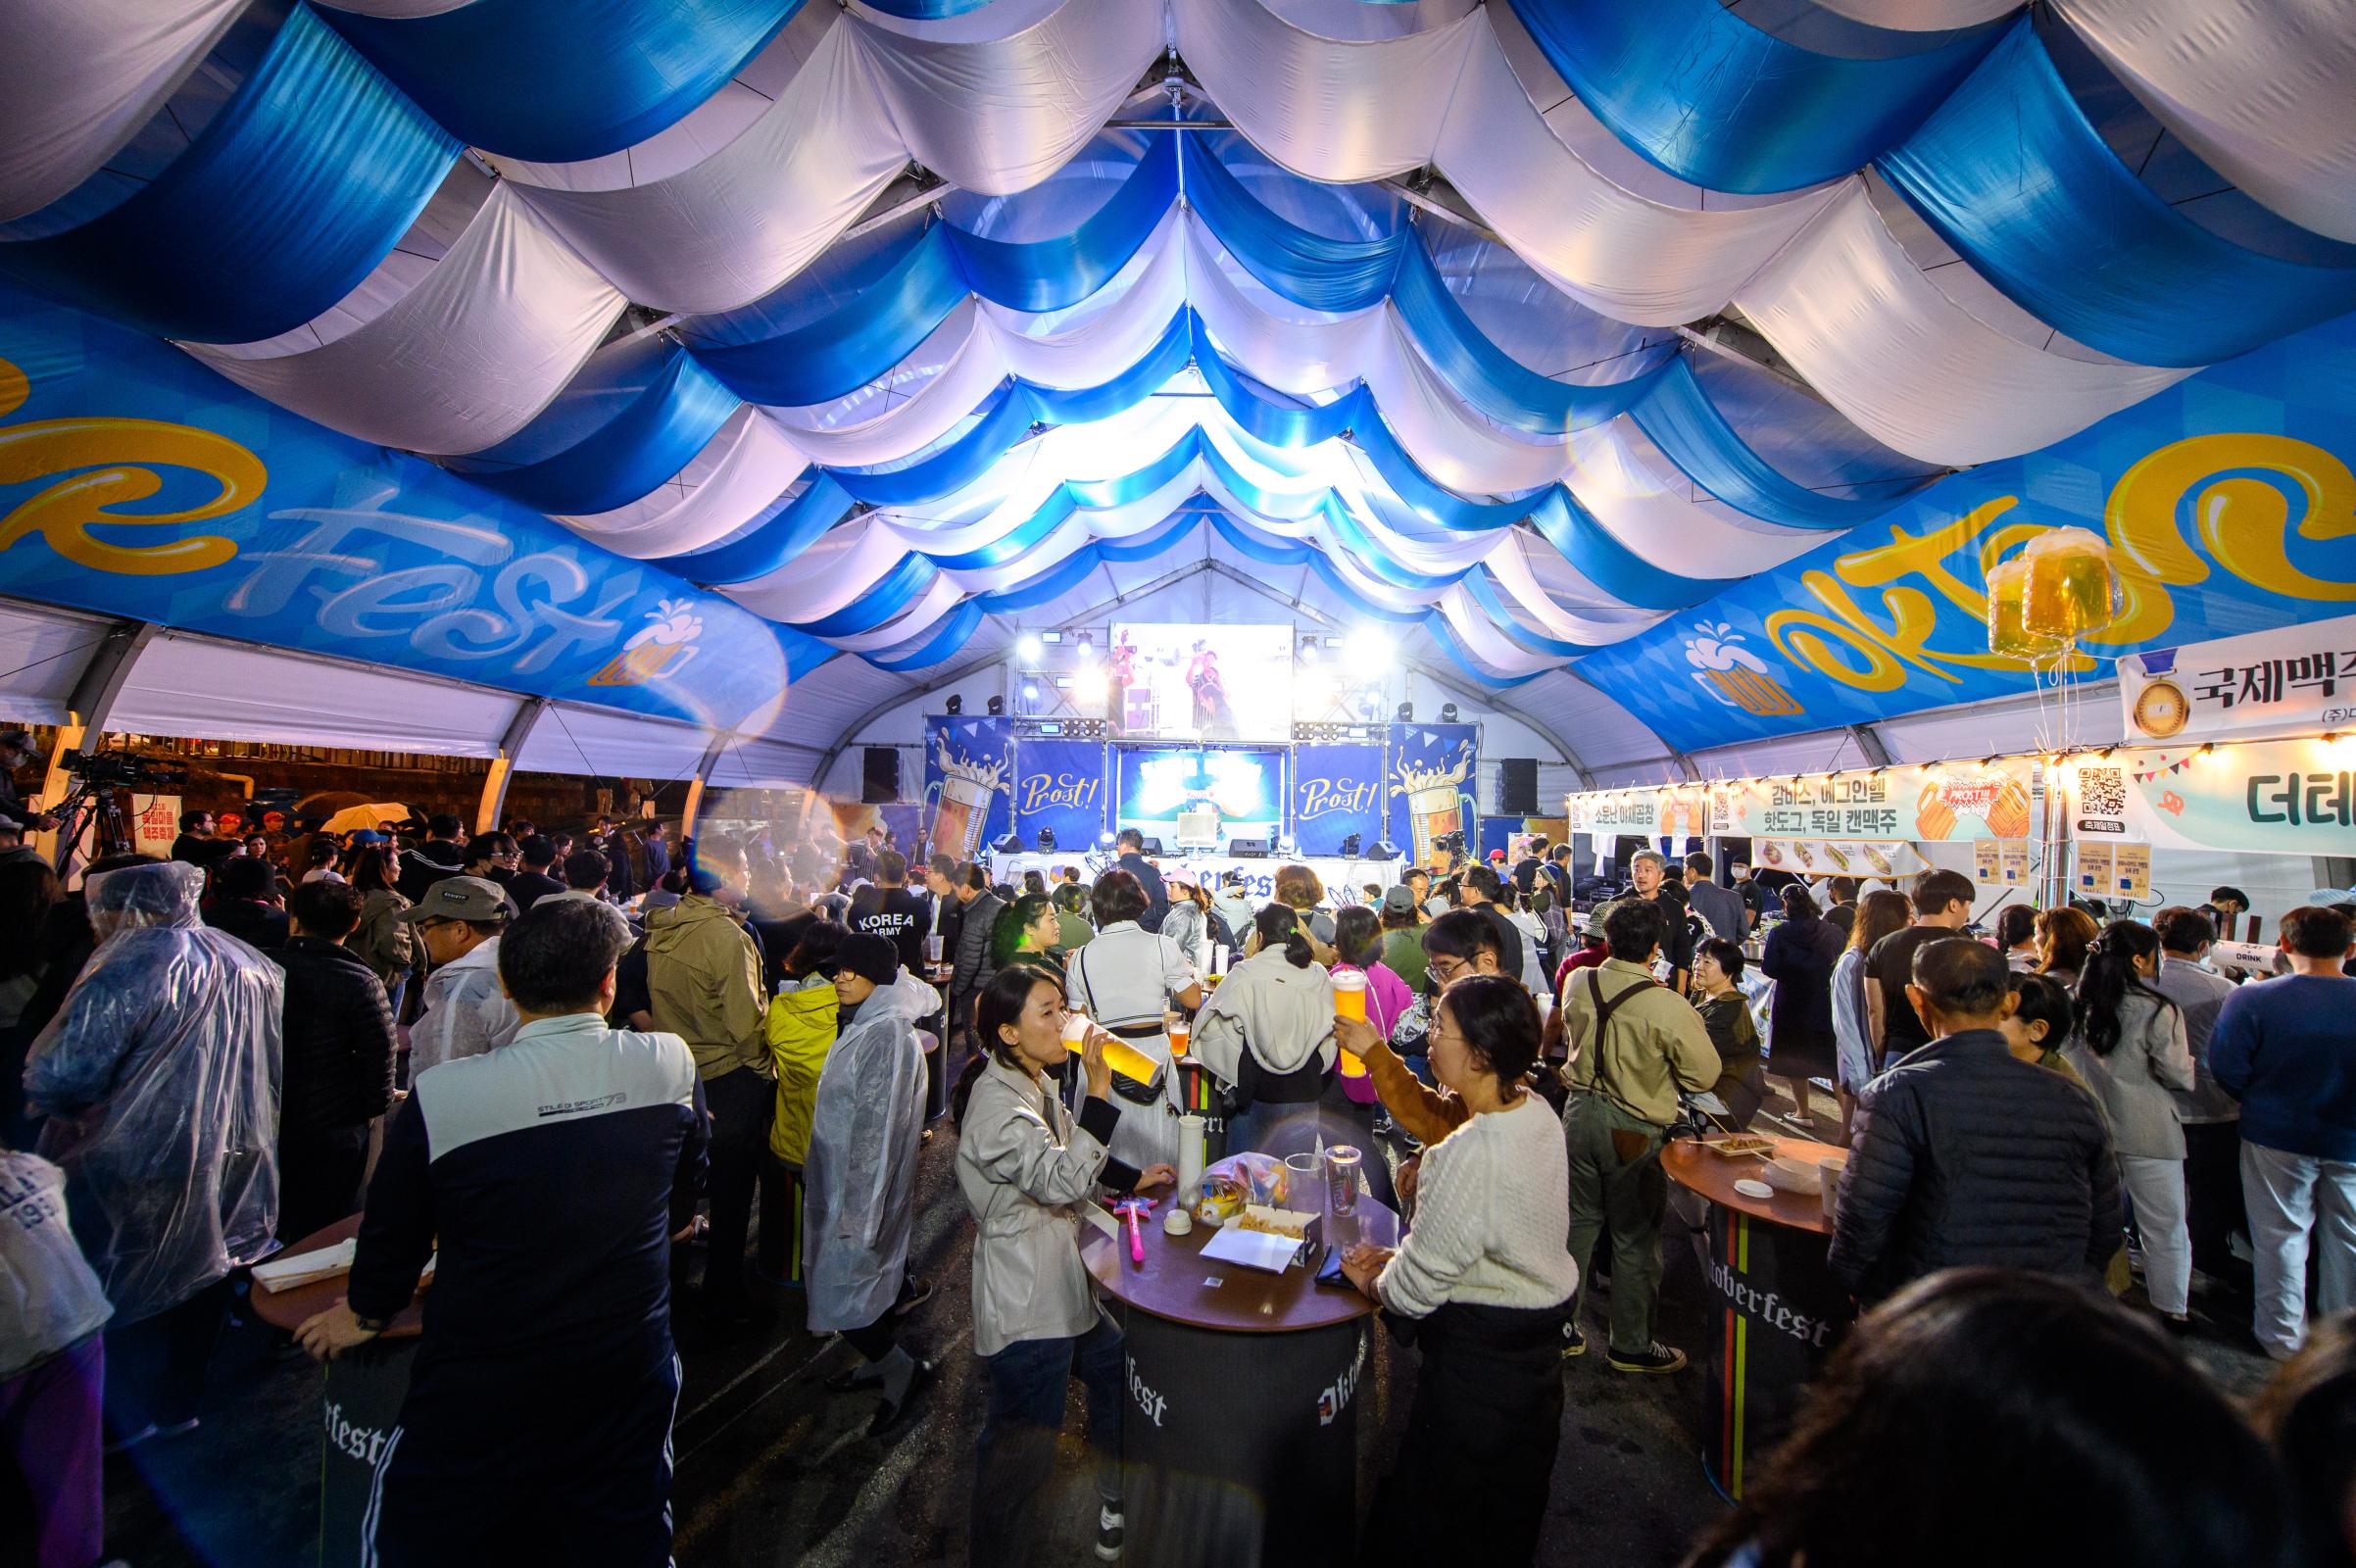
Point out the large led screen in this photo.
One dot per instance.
(1202, 683)
(1243, 785)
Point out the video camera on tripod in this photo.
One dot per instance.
(121, 770)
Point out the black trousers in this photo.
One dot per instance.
(156, 1366)
(742, 1104)
(319, 1177)
(2213, 1196)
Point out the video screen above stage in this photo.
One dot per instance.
(1202, 683)
(1233, 792)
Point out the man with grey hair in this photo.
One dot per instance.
(1648, 874)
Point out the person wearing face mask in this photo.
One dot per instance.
(860, 1175)
(459, 924)
(1024, 1165)
(160, 1079)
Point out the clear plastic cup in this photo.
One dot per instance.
(1180, 1032)
(1075, 1028)
(1342, 1177)
(932, 949)
(1304, 1182)
(1350, 994)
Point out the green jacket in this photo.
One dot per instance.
(703, 972)
(801, 1032)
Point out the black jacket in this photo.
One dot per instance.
(1964, 1155)
(338, 1038)
(974, 967)
(529, 888)
(1798, 958)
(426, 864)
(1158, 897)
(251, 922)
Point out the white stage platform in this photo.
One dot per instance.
(1342, 877)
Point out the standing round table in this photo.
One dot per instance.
(1240, 1432)
(1780, 1310)
(364, 1391)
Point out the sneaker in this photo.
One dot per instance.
(1108, 1533)
(1573, 1343)
(1654, 1357)
(913, 1294)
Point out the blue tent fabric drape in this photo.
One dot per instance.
(1445, 636)
(1680, 419)
(943, 641)
(774, 542)
(619, 430)
(949, 467)
(556, 80)
(1306, 268)
(1485, 594)
(1266, 421)
(1049, 275)
(2010, 174)
(1609, 565)
(878, 605)
(278, 209)
(1694, 89)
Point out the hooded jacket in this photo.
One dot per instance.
(466, 1012)
(338, 1061)
(860, 1174)
(702, 975)
(160, 1077)
(1281, 1013)
(801, 1032)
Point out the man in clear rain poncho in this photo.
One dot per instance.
(160, 1077)
(860, 1175)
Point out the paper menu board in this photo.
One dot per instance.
(2131, 871)
(1987, 863)
(2095, 869)
(2014, 857)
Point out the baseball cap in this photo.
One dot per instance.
(1497, 855)
(462, 898)
(1400, 900)
(363, 837)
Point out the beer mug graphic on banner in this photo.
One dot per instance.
(1437, 804)
(957, 805)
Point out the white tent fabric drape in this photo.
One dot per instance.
(1868, 330)
(738, 475)
(77, 81)
(1921, 16)
(461, 361)
(2265, 90)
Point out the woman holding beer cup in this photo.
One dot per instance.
(1024, 1165)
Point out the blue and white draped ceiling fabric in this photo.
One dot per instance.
(695, 156)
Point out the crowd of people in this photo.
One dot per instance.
(609, 1079)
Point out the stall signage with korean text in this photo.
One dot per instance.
(2292, 680)
(2292, 796)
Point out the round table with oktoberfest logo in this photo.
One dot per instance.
(362, 1394)
(1776, 1311)
(1240, 1427)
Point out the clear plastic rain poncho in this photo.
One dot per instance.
(860, 1195)
(160, 1077)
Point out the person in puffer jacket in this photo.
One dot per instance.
(801, 1031)
(1964, 1155)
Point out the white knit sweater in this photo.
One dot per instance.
(1493, 1219)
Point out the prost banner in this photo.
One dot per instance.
(1433, 768)
(1059, 787)
(1337, 793)
(966, 762)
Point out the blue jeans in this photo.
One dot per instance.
(1016, 1454)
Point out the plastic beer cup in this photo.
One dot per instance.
(1341, 1178)
(1350, 994)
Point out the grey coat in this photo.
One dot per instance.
(1025, 1166)
(2139, 1081)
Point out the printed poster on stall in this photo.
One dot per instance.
(1988, 862)
(1943, 803)
(2014, 857)
(1059, 787)
(2131, 871)
(1857, 858)
(2095, 869)
(1430, 789)
(154, 824)
(967, 789)
(2290, 680)
(1336, 796)
(2256, 797)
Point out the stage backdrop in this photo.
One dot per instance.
(1059, 785)
(1336, 791)
(1246, 785)
(135, 482)
(967, 764)
(2226, 500)
(1431, 786)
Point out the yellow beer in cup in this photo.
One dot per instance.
(1350, 994)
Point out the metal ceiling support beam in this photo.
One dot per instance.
(703, 776)
(1439, 678)
(494, 797)
(103, 676)
(1870, 745)
(971, 666)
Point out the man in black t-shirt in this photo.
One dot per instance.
(197, 845)
(1942, 906)
(1133, 860)
(1480, 889)
(886, 908)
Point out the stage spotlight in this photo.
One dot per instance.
(956, 705)
(1105, 840)
(1030, 692)
(998, 707)
(1046, 839)
(1092, 687)
(1085, 651)
(1351, 846)
(1030, 648)
(1406, 713)
(1371, 648)
(1448, 713)
(1308, 648)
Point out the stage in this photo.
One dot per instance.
(1342, 877)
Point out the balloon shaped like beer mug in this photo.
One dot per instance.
(2073, 589)
(2008, 634)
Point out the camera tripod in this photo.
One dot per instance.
(90, 810)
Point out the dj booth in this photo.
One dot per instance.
(1342, 878)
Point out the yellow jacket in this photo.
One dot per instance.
(801, 1030)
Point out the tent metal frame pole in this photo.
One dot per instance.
(503, 765)
(95, 692)
(702, 777)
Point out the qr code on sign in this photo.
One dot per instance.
(2102, 791)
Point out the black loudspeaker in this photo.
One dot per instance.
(1248, 849)
(1517, 787)
(1149, 847)
(879, 775)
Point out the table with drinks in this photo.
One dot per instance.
(1760, 1213)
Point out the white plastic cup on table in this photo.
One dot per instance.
(1342, 1177)
(1191, 1130)
(1350, 994)
(932, 949)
